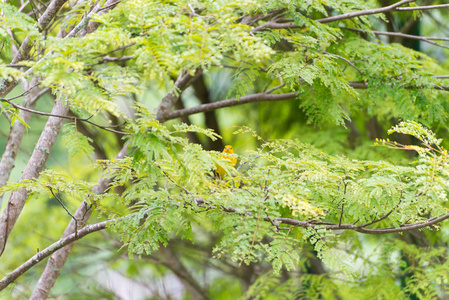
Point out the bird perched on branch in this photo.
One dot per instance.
(229, 158)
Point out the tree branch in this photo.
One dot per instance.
(8, 85)
(346, 60)
(438, 6)
(227, 103)
(32, 170)
(87, 120)
(184, 81)
(393, 7)
(17, 131)
(67, 240)
(172, 261)
(38, 257)
(364, 85)
(407, 36)
(106, 59)
(58, 259)
(263, 97)
(333, 226)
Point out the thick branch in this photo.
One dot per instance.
(210, 118)
(184, 81)
(229, 102)
(107, 59)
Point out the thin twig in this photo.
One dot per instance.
(364, 85)
(21, 95)
(109, 6)
(116, 49)
(346, 60)
(65, 208)
(245, 162)
(275, 88)
(407, 36)
(63, 117)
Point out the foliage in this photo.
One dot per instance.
(298, 194)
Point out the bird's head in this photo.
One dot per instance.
(228, 149)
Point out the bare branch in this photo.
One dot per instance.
(107, 59)
(359, 228)
(110, 5)
(393, 7)
(280, 24)
(346, 60)
(116, 49)
(63, 117)
(27, 91)
(364, 85)
(407, 36)
(261, 97)
(67, 210)
(422, 7)
(274, 25)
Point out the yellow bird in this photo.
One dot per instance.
(228, 158)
